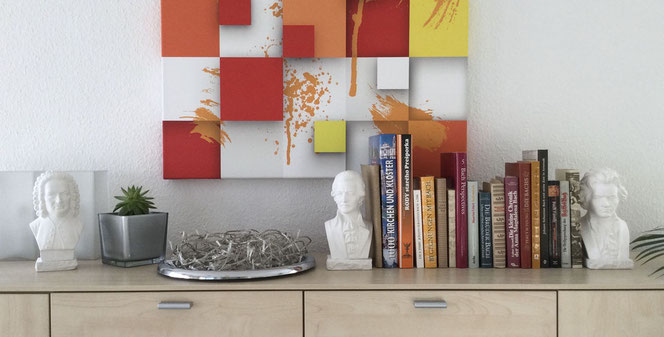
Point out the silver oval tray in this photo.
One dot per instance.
(167, 268)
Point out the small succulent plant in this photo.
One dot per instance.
(134, 202)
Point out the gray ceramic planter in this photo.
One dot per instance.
(134, 240)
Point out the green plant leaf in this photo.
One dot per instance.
(654, 243)
(648, 252)
(652, 258)
(648, 237)
(657, 271)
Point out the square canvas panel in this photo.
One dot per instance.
(262, 38)
(329, 136)
(329, 20)
(189, 28)
(393, 72)
(254, 150)
(191, 85)
(251, 88)
(298, 41)
(234, 12)
(383, 28)
(438, 86)
(438, 28)
(191, 150)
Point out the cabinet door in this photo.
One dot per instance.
(611, 313)
(241, 313)
(393, 313)
(24, 315)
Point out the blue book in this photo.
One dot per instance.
(383, 152)
(486, 245)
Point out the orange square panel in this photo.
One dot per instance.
(329, 20)
(189, 28)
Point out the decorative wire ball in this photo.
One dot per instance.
(238, 250)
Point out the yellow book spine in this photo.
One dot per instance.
(429, 222)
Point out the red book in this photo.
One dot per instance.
(512, 222)
(453, 168)
(404, 201)
(521, 170)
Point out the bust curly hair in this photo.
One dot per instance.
(601, 176)
(38, 193)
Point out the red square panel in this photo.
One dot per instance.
(251, 89)
(298, 41)
(383, 31)
(187, 155)
(234, 12)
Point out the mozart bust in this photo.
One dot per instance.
(57, 228)
(348, 235)
(605, 235)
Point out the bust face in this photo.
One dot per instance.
(604, 200)
(57, 198)
(347, 196)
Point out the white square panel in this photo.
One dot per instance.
(439, 85)
(255, 150)
(263, 38)
(392, 73)
(190, 83)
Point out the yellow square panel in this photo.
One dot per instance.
(438, 28)
(329, 136)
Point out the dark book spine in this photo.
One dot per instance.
(543, 158)
(383, 152)
(405, 188)
(575, 212)
(486, 248)
(453, 168)
(522, 171)
(512, 222)
(554, 223)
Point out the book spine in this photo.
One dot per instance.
(441, 222)
(429, 222)
(512, 221)
(573, 177)
(498, 222)
(419, 243)
(543, 158)
(371, 176)
(554, 223)
(453, 167)
(565, 226)
(473, 226)
(386, 153)
(535, 212)
(486, 248)
(405, 186)
(522, 171)
(451, 237)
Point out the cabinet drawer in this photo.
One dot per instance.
(266, 313)
(611, 313)
(393, 313)
(23, 315)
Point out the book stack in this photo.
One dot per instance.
(520, 219)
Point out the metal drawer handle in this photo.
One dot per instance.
(175, 305)
(430, 304)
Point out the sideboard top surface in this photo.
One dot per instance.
(93, 276)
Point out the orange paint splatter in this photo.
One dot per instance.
(310, 140)
(357, 21)
(213, 71)
(444, 9)
(302, 98)
(209, 126)
(209, 102)
(277, 9)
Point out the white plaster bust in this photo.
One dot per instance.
(348, 235)
(57, 227)
(605, 235)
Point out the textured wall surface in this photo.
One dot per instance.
(80, 89)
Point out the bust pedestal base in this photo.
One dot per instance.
(41, 265)
(608, 264)
(348, 264)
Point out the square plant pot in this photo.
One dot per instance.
(133, 240)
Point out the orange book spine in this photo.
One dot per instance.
(429, 222)
(535, 212)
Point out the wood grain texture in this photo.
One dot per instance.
(469, 313)
(212, 314)
(93, 276)
(611, 313)
(24, 315)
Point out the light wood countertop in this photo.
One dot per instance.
(93, 276)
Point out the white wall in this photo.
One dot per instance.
(80, 89)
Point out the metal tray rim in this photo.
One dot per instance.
(166, 268)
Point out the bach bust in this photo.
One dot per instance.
(348, 235)
(605, 235)
(57, 227)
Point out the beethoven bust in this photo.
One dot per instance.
(57, 227)
(348, 235)
(605, 235)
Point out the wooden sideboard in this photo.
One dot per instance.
(99, 300)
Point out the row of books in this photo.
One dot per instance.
(519, 220)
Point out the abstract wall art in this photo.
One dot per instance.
(294, 88)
